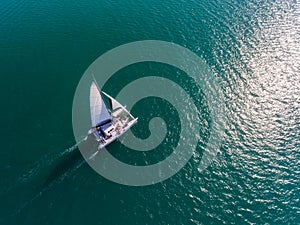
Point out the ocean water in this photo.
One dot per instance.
(251, 46)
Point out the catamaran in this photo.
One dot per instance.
(108, 123)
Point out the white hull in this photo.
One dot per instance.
(117, 135)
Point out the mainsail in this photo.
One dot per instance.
(99, 111)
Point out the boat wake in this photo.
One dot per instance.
(50, 185)
(49, 170)
(46, 161)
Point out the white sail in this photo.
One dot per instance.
(115, 104)
(99, 111)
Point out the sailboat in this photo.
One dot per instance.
(108, 123)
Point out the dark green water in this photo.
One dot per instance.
(252, 47)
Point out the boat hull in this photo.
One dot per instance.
(115, 137)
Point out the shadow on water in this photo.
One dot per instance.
(63, 167)
(59, 168)
(67, 164)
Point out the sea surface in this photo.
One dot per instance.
(253, 49)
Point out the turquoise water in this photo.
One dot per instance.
(253, 49)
